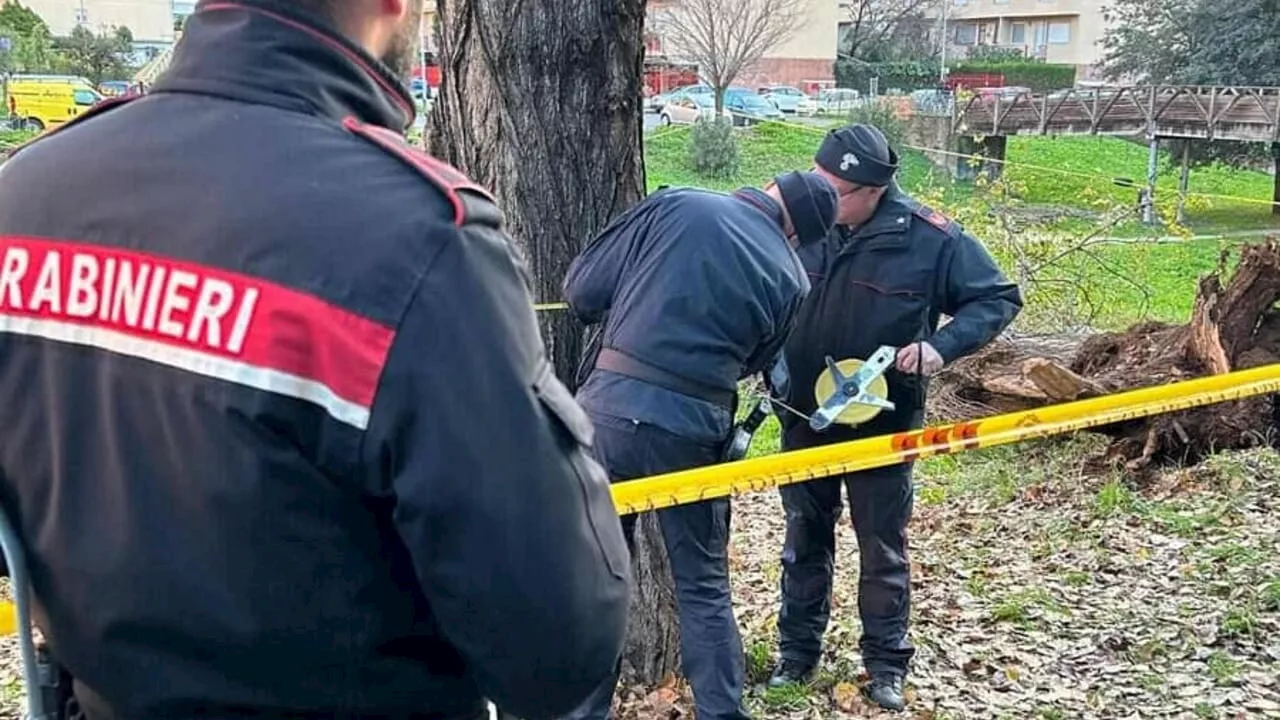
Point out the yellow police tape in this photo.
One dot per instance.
(771, 471)
(799, 465)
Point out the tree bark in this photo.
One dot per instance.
(1233, 326)
(540, 102)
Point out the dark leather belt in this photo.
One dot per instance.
(623, 364)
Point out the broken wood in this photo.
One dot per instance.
(1234, 325)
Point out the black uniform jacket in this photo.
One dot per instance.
(280, 434)
(888, 282)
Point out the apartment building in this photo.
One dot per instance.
(150, 21)
(807, 58)
(1056, 31)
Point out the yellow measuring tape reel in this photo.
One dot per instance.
(855, 413)
(852, 391)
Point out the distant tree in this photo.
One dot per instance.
(26, 46)
(1196, 42)
(886, 30)
(97, 57)
(1148, 41)
(1236, 43)
(726, 37)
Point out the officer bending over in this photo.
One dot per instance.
(694, 290)
(883, 277)
(280, 434)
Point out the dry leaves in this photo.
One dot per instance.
(1039, 593)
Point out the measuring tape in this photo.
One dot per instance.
(755, 475)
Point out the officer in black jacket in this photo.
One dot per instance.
(280, 435)
(694, 290)
(883, 277)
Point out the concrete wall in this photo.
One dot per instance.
(809, 54)
(932, 131)
(816, 36)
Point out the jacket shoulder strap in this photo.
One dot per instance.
(472, 204)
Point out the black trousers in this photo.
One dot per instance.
(696, 538)
(880, 504)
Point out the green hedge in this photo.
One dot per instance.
(1039, 76)
(908, 75)
(918, 75)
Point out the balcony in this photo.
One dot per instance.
(1003, 51)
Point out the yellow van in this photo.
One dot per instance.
(44, 101)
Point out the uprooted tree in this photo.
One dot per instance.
(1234, 326)
(540, 102)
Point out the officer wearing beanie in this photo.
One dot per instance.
(693, 291)
(884, 276)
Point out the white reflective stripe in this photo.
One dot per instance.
(235, 371)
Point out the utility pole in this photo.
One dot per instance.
(942, 65)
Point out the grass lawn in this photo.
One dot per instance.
(1130, 281)
(1079, 169)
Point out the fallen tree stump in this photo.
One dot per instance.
(1233, 326)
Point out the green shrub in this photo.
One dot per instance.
(881, 115)
(713, 149)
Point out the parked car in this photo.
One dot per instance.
(1006, 93)
(932, 101)
(687, 109)
(837, 100)
(747, 106)
(807, 106)
(784, 96)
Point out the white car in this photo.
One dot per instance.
(785, 97)
(685, 109)
(807, 106)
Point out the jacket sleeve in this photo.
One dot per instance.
(976, 294)
(592, 280)
(511, 527)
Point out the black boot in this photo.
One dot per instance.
(885, 690)
(791, 672)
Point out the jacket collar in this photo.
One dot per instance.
(760, 200)
(261, 51)
(892, 217)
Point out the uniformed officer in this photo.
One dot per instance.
(883, 277)
(279, 431)
(694, 290)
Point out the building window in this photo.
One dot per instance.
(1059, 33)
(1018, 34)
(966, 33)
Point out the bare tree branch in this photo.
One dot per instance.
(724, 38)
(877, 28)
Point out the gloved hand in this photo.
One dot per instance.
(919, 358)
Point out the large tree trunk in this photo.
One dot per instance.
(1232, 327)
(541, 103)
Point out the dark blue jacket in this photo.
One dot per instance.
(279, 430)
(887, 282)
(700, 283)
